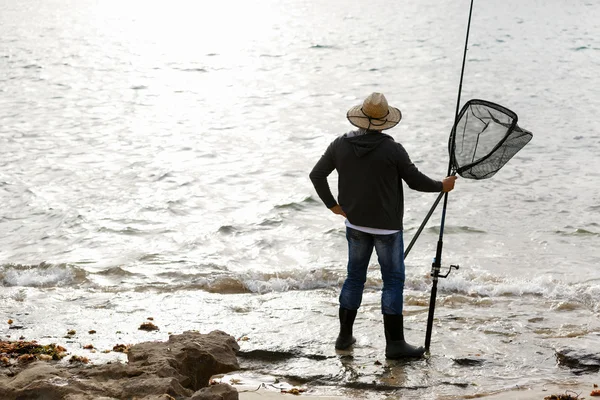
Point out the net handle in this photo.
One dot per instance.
(416, 235)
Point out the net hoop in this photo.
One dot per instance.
(511, 129)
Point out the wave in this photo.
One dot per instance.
(193, 69)
(227, 230)
(236, 230)
(576, 232)
(483, 284)
(250, 282)
(470, 287)
(473, 287)
(221, 285)
(467, 286)
(450, 229)
(298, 205)
(42, 275)
(259, 282)
(323, 46)
(116, 271)
(125, 231)
(132, 231)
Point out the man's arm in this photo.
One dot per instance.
(414, 178)
(319, 175)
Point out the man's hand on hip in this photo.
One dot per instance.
(338, 210)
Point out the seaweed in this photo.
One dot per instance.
(27, 351)
(564, 396)
(148, 326)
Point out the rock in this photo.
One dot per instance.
(468, 361)
(221, 391)
(182, 355)
(40, 377)
(157, 397)
(179, 368)
(581, 360)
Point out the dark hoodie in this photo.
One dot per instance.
(371, 167)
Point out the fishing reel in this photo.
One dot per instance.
(436, 267)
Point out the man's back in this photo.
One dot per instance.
(371, 167)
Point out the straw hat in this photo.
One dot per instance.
(374, 114)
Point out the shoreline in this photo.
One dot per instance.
(578, 389)
(224, 348)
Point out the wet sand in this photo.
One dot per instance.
(577, 389)
(250, 393)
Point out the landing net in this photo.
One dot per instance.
(485, 137)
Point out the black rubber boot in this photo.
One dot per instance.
(345, 338)
(395, 345)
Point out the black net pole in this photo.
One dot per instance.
(437, 261)
(414, 239)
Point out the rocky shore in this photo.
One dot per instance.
(180, 368)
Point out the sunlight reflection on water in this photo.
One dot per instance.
(156, 154)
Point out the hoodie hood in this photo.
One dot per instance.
(363, 142)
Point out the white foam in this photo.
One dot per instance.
(477, 283)
(470, 283)
(38, 276)
(290, 280)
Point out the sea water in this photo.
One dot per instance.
(154, 164)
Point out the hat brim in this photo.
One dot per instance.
(357, 118)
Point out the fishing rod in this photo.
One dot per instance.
(489, 138)
(437, 261)
(450, 162)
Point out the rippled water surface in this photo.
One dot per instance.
(155, 158)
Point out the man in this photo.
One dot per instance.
(371, 167)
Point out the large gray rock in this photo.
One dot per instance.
(221, 391)
(580, 360)
(178, 369)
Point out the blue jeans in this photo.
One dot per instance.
(390, 254)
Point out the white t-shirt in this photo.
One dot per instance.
(373, 231)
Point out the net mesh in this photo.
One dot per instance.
(486, 136)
